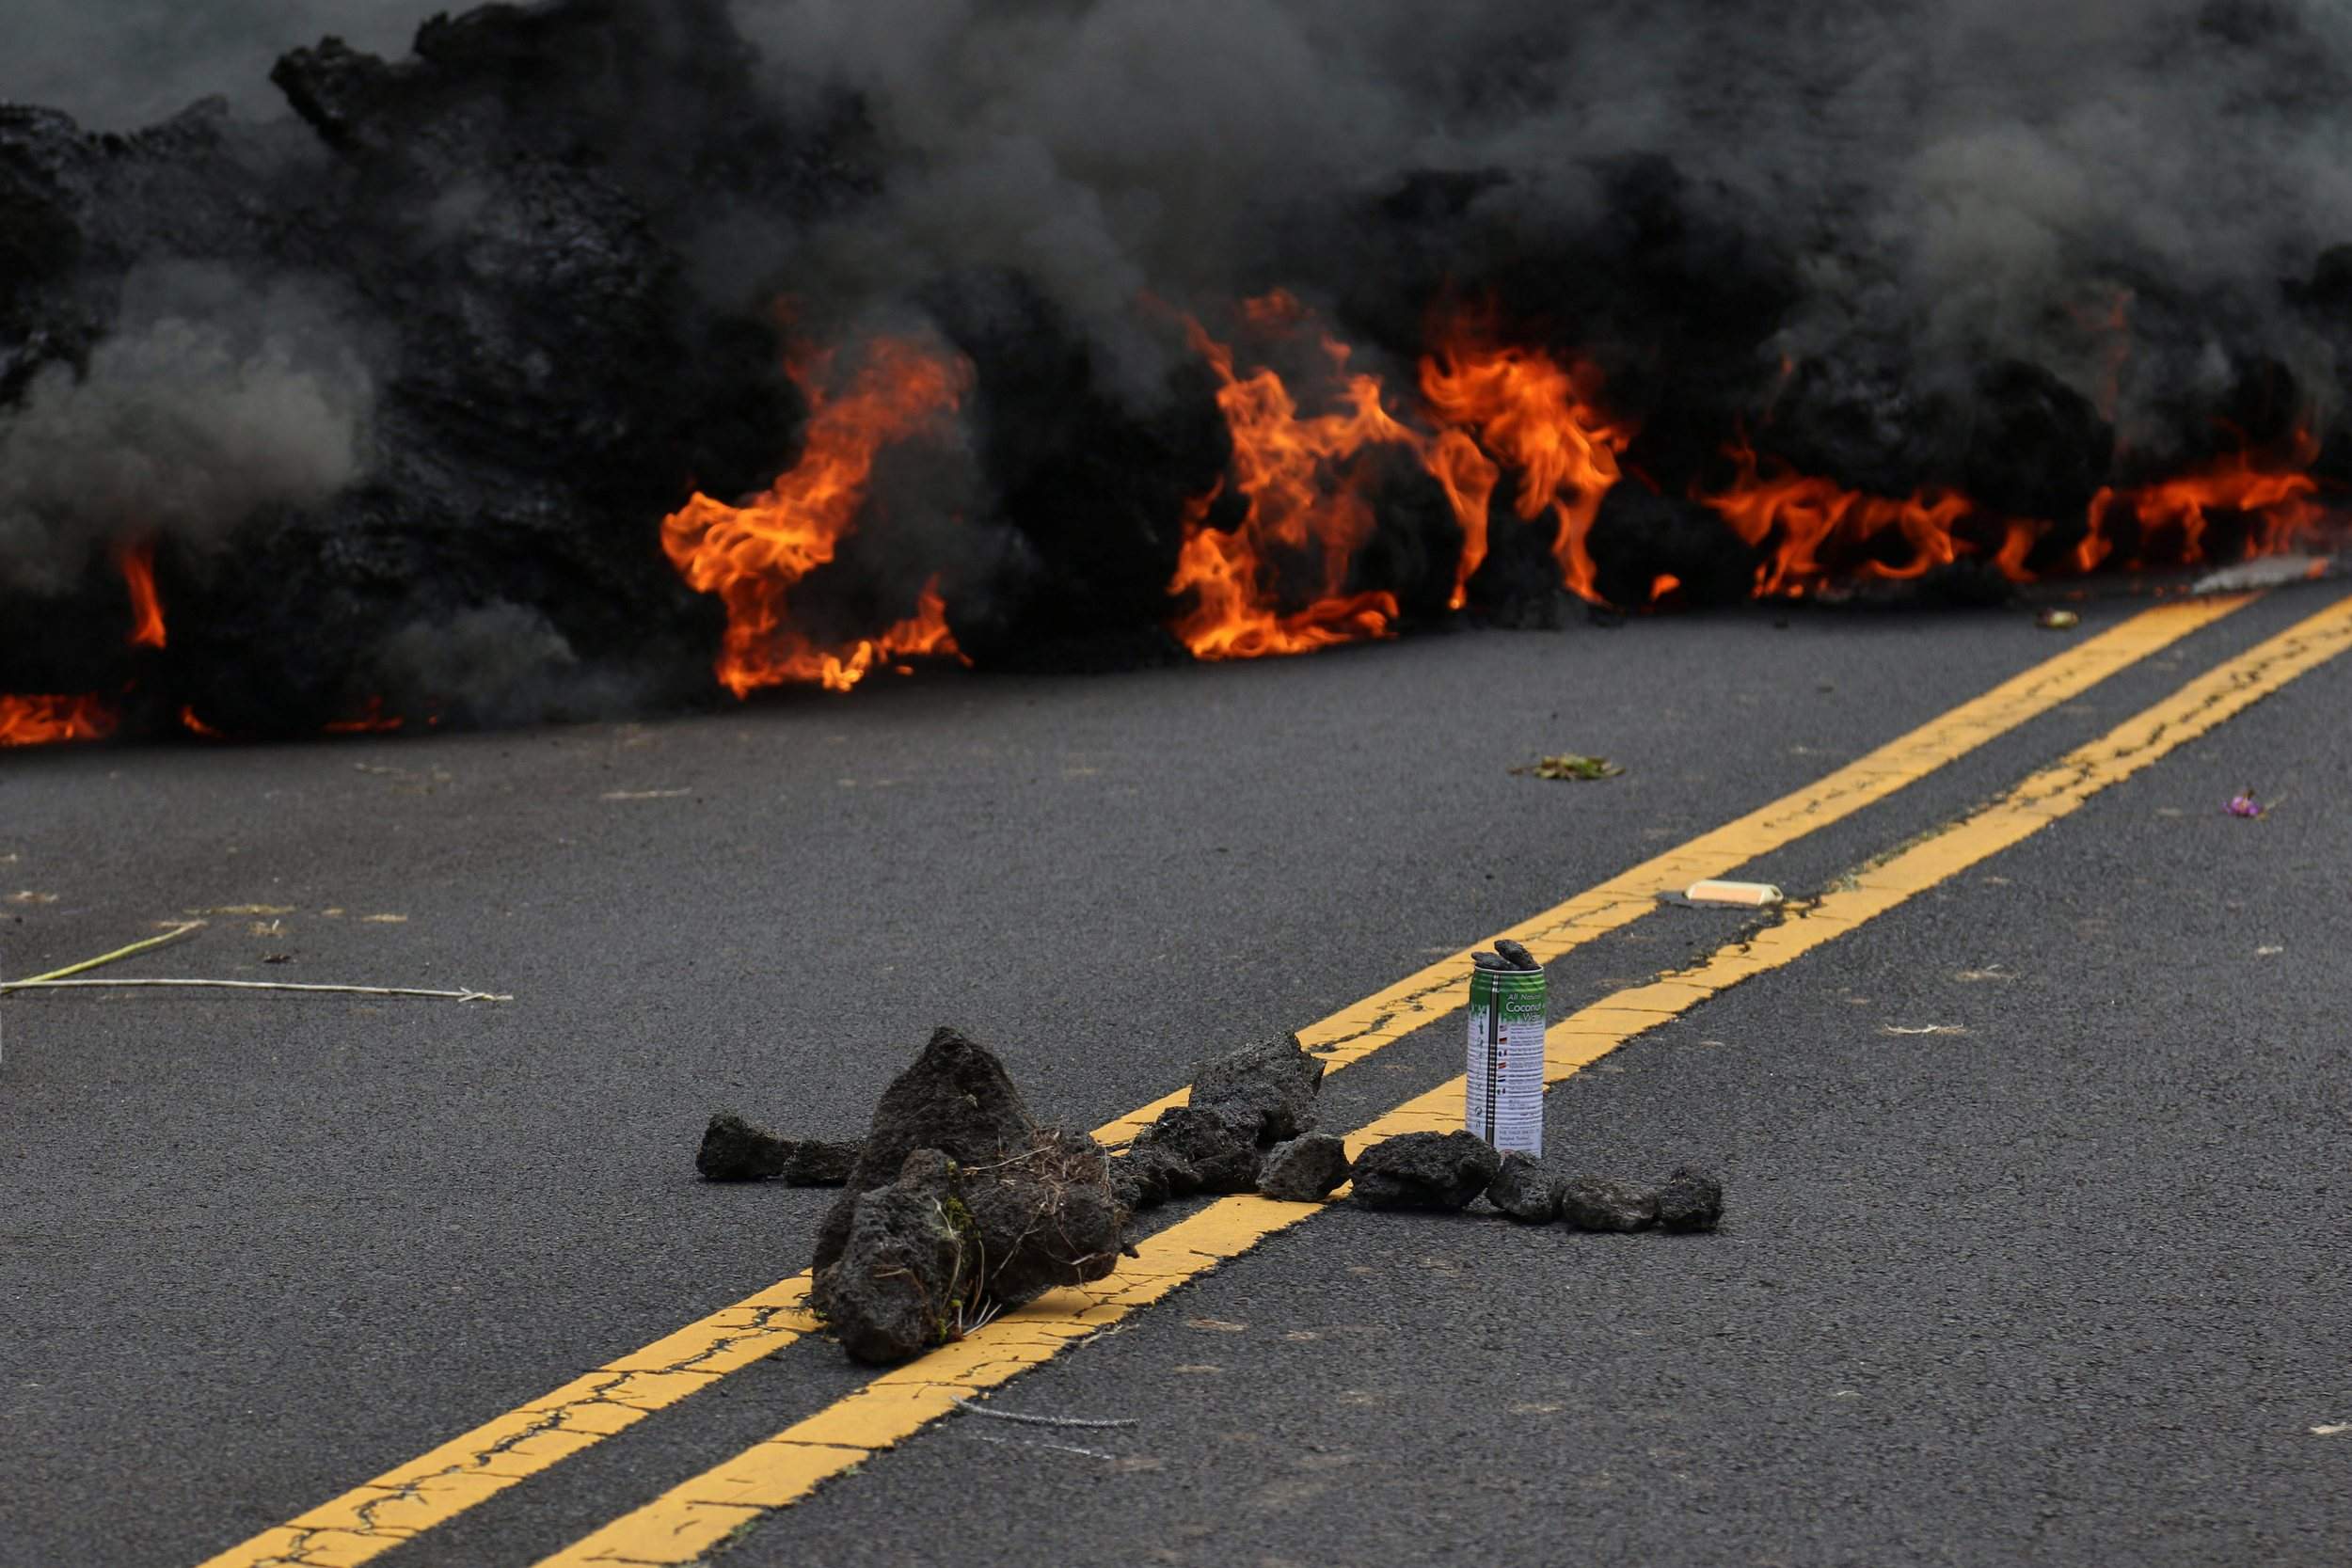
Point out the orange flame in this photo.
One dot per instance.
(1538, 417)
(1817, 531)
(752, 555)
(370, 720)
(195, 726)
(43, 721)
(137, 562)
(1802, 518)
(1304, 495)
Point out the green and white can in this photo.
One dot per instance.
(1505, 1105)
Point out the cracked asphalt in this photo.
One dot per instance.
(2037, 1183)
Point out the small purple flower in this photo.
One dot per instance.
(2244, 804)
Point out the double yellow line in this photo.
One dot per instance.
(685, 1522)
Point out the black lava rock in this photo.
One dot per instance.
(1691, 1199)
(734, 1150)
(816, 1162)
(1516, 955)
(1424, 1170)
(1046, 1218)
(1146, 1178)
(956, 1099)
(1270, 1085)
(1220, 1149)
(1526, 1189)
(901, 1273)
(1305, 1169)
(1590, 1203)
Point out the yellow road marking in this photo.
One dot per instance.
(688, 1520)
(377, 1516)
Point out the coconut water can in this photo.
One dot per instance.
(1505, 1107)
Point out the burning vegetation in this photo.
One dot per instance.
(551, 363)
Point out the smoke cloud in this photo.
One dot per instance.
(211, 400)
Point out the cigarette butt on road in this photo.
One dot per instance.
(1746, 895)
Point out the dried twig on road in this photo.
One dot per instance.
(261, 985)
(55, 974)
(1039, 1420)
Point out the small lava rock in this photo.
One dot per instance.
(1305, 1169)
(1591, 1203)
(734, 1150)
(1424, 1170)
(1517, 956)
(1691, 1199)
(1220, 1149)
(1526, 1189)
(1146, 1178)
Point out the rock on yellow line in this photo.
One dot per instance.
(687, 1521)
(377, 1516)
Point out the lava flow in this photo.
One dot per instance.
(752, 555)
(1306, 500)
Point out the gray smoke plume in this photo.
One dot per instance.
(212, 397)
(1950, 182)
(2110, 189)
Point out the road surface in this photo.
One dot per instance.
(2038, 1202)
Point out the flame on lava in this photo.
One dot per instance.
(752, 555)
(1800, 520)
(370, 720)
(43, 721)
(1529, 412)
(1305, 497)
(137, 562)
(2274, 496)
(1814, 532)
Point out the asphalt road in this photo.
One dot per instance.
(2063, 1281)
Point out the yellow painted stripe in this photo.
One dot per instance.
(687, 1521)
(375, 1516)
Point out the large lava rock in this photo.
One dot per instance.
(902, 1273)
(957, 1098)
(1047, 1217)
(1424, 1170)
(1304, 1170)
(1269, 1085)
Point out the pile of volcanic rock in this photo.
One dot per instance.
(957, 1205)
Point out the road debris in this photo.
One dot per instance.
(1591, 1203)
(2057, 620)
(995, 1414)
(1270, 1084)
(1306, 1169)
(1691, 1199)
(1516, 955)
(1715, 891)
(2270, 571)
(177, 931)
(261, 984)
(1526, 1189)
(1424, 1170)
(2244, 804)
(1569, 765)
(734, 1150)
